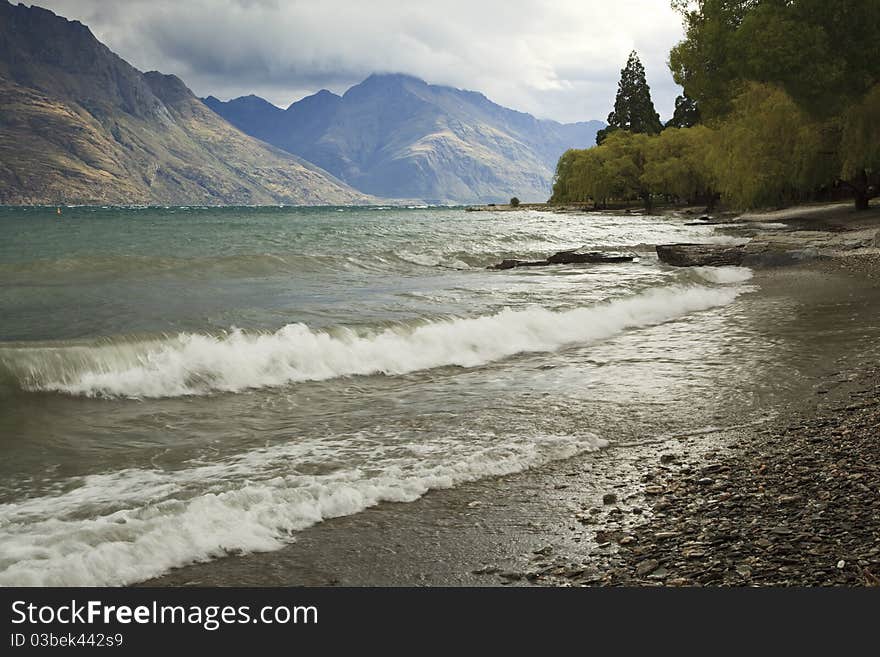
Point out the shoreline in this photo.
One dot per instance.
(684, 509)
(796, 505)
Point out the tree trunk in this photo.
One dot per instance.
(860, 190)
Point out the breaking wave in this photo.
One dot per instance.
(197, 364)
(151, 526)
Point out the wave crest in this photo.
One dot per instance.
(195, 363)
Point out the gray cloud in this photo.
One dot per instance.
(555, 59)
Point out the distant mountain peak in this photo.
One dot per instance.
(323, 99)
(168, 87)
(395, 135)
(81, 125)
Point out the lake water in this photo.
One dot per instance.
(180, 384)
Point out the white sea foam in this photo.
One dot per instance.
(194, 364)
(723, 275)
(46, 541)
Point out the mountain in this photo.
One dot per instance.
(396, 136)
(78, 124)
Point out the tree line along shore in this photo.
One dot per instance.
(781, 105)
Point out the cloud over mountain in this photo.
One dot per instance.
(555, 60)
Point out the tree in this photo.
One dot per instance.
(625, 158)
(860, 146)
(767, 151)
(825, 56)
(581, 176)
(703, 63)
(514, 202)
(675, 164)
(633, 108)
(687, 113)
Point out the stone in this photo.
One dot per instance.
(660, 573)
(511, 264)
(744, 571)
(565, 258)
(486, 570)
(647, 566)
(573, 257)
(700, 255)
(609, 498)
(664, 535)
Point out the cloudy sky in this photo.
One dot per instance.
(557, 59)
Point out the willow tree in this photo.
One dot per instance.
(623, 156)
(675, 164)
(767, 151)
(564, 181)
(612, 170)
(581, 176)
(824, 55)
(633, 108)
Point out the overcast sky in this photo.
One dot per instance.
(558, 59)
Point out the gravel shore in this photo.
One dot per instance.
(796, 503)
(796, 506)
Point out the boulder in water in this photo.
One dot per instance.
(573, 257)
(566, 258)
(511, 264)
(701, 255)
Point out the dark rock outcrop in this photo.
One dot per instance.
(566, 258)
(700, 255)
(573, 257)
(511, 264)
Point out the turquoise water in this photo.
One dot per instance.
(178, 384)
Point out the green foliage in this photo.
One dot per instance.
(701, 63)
(820, 63)
(824, 54)
(514, 202)
(611, 171)
(633, 108)
(860, 138)
(767, 151)
(687, 113)
(676, 164)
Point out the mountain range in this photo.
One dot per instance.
(396, 136)
(78, 124)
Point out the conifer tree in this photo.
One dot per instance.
(687, 113)
(633, 108)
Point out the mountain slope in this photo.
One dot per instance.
(80, 125)
(397, 136)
